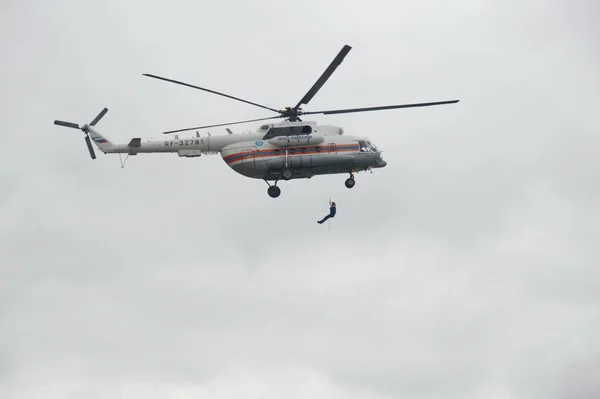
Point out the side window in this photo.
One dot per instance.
(363, 146)
(277, 131)
(287, 131)
(268, 135)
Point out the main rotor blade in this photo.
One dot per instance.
(67, 124)
(350, 110)
(100, 115)
(222, 124)
(326, 75)
(211, 91)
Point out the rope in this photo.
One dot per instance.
(329, 220)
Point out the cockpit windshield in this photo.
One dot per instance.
(367, 146)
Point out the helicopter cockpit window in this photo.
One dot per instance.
(366, 146)
(363, 146)
(287, 131)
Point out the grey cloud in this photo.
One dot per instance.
(466, 268)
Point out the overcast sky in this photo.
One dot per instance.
(466, 268)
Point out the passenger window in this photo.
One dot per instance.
(276, 132)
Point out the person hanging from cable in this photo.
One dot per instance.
(332, 211)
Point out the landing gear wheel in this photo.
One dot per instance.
(274, 191)
(350, 182)
(286, 174)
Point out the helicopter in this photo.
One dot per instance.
(286, 150)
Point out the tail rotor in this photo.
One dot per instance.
(85, 129)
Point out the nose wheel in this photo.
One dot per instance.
(350, 181)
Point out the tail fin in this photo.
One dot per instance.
(101, 141)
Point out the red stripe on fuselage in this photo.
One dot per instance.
(296, 150)
(271, 153)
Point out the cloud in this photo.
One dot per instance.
(466, 268)
(244, 380)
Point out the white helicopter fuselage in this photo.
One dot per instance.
(303, 149)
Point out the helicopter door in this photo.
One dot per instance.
(248, 158)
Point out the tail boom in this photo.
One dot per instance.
(185, 147)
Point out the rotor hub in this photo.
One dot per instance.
(291, 114)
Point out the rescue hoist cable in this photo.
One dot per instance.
(329, 220)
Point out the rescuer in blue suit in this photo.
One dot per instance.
(332, 211)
